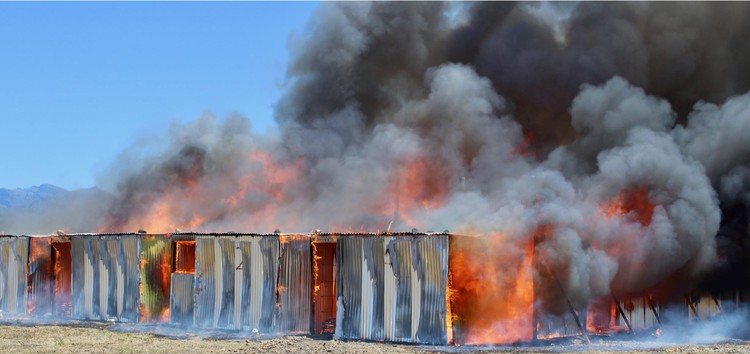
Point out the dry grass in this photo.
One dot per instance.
(98, 338)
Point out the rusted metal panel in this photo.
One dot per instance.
(14, 252)
(155, 277)
(393, 288)
(181, 299)
(236, 281)
(105, 277)
(295, 284)
(324, 285)
(184, 257)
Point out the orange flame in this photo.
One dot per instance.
(492, 290)
(632, 204)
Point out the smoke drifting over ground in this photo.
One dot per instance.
(608, 137)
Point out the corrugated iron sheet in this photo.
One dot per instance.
(14, 252)
(235, 281)
(62, 272)
(105, 277)
(393, 288)
(432, 273)
(181, 299)
(349, 287)
(295, 284)
(155, 278)
(641, 315)
(41, 300)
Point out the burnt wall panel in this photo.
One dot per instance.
(373, 268)
(243, 286)
(295, 284)
(640, 314)
(267, 271)
(181, 299)
(393, 288)
(62, 277)
(77, 277)
(85, 277)
(236, 281)
(128, 299)
(108, 289)
(349, 287)
(205, 287)
(41, 277)
(225, 282)
(14, 252)
(260, 259)
(431, 265)
(155, 275)
(399, 294)
(105, 277)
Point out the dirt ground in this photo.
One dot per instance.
(112, 339)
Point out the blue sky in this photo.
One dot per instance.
(81, 81)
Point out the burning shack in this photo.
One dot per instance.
(427, 288)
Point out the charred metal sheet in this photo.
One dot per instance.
(78, 287)
(393, 288)
(236, 281)
(295, 284)
(215, 268)
(360, 282)
(49, 276)
(559, 325)
(205, 287)
(181, 299)
(373, 268)
(398, 282)
(105, 277)
(349, 287)
(41, 277)
(641, 314)
(62, 272)
(431, 264)
(14, 252)
(155, 273)
(128, 278)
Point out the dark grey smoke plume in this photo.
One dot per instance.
(610, 137)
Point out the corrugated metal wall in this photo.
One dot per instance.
(155, 277)
(295, 284)
(105, 277)
(40, 301)
(392, 288)
(14, 253)
(181, 299)
(640, 313)
(235, 281)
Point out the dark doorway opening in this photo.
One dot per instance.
(324, 318)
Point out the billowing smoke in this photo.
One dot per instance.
(606, 139)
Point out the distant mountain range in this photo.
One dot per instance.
(28, 198)
(46, 208)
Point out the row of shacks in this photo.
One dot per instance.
(382, 287)
(356, 286)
